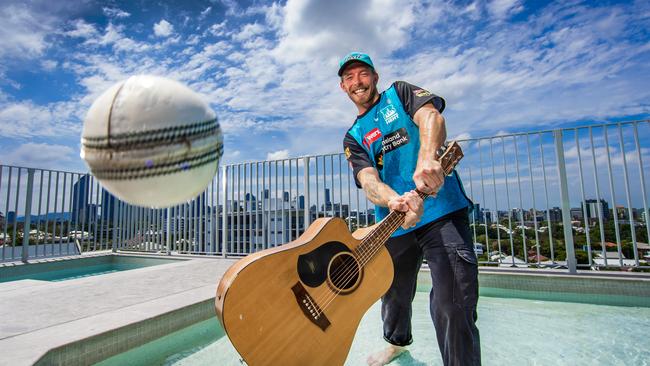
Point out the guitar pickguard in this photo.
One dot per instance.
(312, 266)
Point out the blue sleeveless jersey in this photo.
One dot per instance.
(392, 141)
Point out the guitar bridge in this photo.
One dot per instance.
(309, 307)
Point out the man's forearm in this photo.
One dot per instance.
(432, 134)
(379, 193)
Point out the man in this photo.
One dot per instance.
(392, 147)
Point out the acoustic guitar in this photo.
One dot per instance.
(301, 303)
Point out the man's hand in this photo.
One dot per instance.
(411, 204)
(429, 176)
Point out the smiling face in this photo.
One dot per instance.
(359, 82)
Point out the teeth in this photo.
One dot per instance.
(359, 91)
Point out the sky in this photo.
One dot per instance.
(268, 69)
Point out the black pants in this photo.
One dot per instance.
(447, 246)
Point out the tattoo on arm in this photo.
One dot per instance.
(372, 190)
(377, 191)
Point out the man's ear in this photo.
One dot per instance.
(341, 85)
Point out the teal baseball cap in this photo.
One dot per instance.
(352, 57)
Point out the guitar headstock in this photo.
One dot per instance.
(450, 157)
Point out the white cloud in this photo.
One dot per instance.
(248, 31)
(278, 155)
(82, 29)
(218, 30)
(274, 15)
(205, 12)
(23, 32)
(113, 36)
(115, 12)
(9, 82)
(503, 8)
(461, 136)
(40, 155)
(193, 40)
(232, 7)
(49, 65)
(325, 31)
(163, 28)
(26, 120)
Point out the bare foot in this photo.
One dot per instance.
(385, 356)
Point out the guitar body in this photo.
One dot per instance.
(278, 306)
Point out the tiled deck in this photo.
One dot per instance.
(38, 316)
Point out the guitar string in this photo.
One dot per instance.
(374, 249)
(367, 246)
(373, 243)
(370, 245)
(349, 270)
(351, 267)
(376, 246)
(394, 220)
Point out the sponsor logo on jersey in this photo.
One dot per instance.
(421, 93)
(347, 152)
(371, 137)
(379, 160)
(395, 140)
(390, 113)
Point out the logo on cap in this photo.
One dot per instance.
(354, 56)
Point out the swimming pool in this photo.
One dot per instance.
(514, 331)
(71, 268)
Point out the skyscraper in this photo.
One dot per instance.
(80, 200)
(592, 209)
(108, 203)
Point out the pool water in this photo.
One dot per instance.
(77, 268)
(513, 332)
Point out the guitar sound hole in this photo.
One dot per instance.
(344, 272)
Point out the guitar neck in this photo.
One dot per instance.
(371, 244)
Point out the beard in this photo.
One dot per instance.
(365, 98)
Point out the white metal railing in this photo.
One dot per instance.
(564, 198)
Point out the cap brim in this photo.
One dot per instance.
(342, 68)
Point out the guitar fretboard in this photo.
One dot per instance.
(371, 244)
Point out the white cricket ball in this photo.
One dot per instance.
(152, 141)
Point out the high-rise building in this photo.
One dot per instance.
(577, 213)
(477, 214)
(109, 203)
(555, 214)
(486, 215)
(250, 202)
(298, 202)
(301, 202)
(80, 192)
(593, 208)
